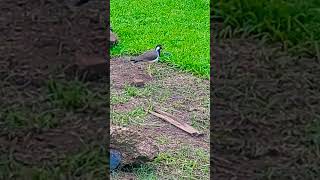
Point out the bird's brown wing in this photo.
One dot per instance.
(147, 56)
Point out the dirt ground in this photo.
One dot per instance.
(43, 133)
(51, 124)
(264, 112)
(181, 94)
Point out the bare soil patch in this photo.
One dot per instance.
(263, 104)
(40, 40)
(123, 72)
(176, 92)
(183, 89)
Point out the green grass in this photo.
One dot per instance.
(89, 164)
(184, 163)
(182, 27)
(295, 23)
(133, 117)
(71, 95)
(162, 140)
(141, 172)
(313, 132)
(133, 91)
(199, 123)
(16, 118)
(118, 98)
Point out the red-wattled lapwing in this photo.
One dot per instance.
(150, 56)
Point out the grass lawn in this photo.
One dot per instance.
(87, 164)
(295, 23)
(50, 115)
(182, 27)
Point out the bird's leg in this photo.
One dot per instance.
(149, 71)
(145, 67)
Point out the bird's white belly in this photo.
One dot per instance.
(155, 60)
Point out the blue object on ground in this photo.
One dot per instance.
(115, 159)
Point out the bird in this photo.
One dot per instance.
(150, 56)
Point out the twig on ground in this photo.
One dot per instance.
(172, 120)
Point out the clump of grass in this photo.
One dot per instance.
(88, 164)
(133, 91)
(313, 132)
(70, 96)
(133, 117)
(118, 99)
(143, 171)
(183, 31)
(23, 118)
(187, 163)
(130, 92)
(199, 123)
(295, 23)
(162, 140)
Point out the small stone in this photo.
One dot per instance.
(138, 83)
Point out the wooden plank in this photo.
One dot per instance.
(172, 120)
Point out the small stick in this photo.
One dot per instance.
(166, 114)
(183, 126)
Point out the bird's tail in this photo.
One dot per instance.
(134, 60)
